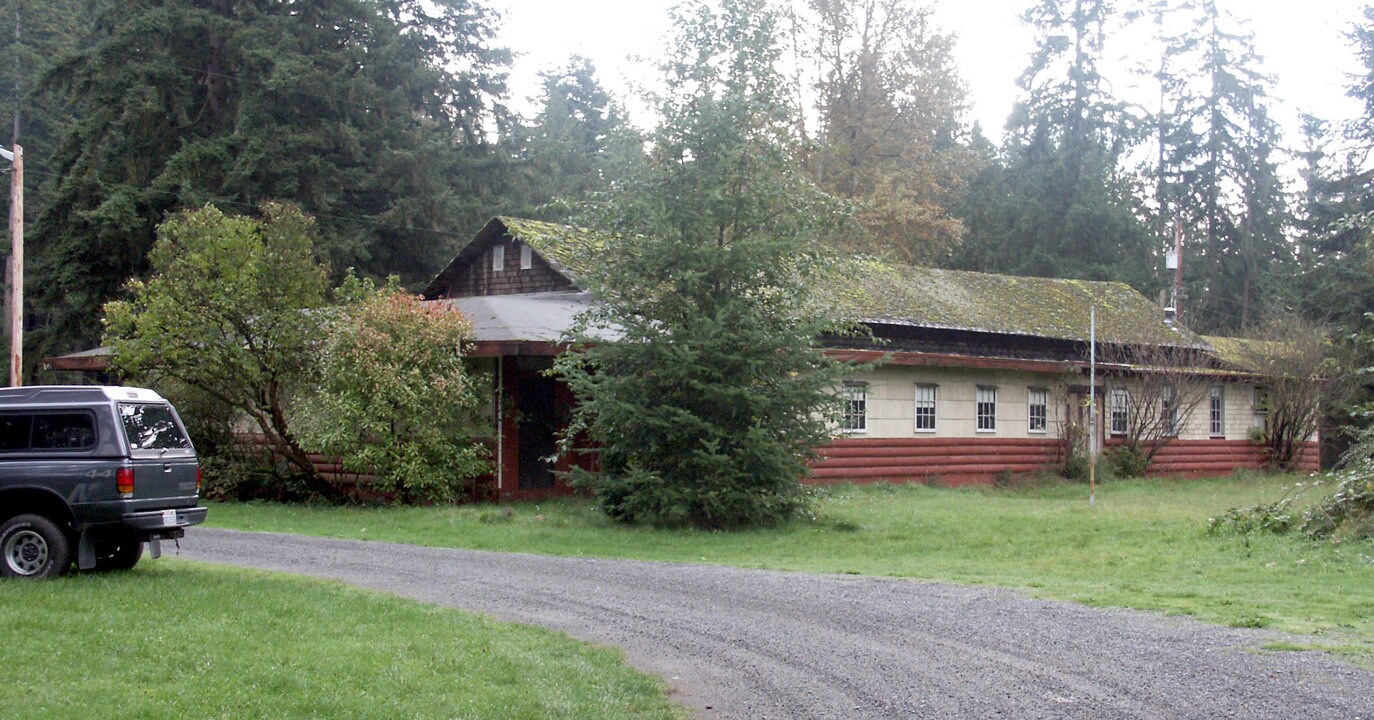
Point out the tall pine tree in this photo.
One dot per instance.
(373, 115)
(1218, 174)
(1060, 204)
(711, 398)
(580, 143)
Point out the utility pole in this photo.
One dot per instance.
(16, 265)
(15, 270)
(1178, 271)
(1092, 406)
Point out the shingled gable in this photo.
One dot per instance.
(560, 255)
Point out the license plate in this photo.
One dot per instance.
(169, 517)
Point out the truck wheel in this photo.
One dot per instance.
(32, 546)
(121, 553)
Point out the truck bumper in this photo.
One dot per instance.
(164, 523)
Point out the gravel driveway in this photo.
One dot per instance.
(757, 644)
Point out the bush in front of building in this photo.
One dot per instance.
(394, 401)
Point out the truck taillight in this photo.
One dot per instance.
(197, 479)
(124, 481)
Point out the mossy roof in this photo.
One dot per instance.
(570, 250)
(876, 291)
(1241, 353)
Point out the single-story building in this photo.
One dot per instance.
(982, 374)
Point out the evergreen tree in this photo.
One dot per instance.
(580, 143)
(32, 34)
(711, 398)
(1219, 174)
(1061, 206)
(373, 115)
(891, 135)
(1336, 218)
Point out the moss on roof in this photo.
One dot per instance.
(570, 250)
(872, 290)
(1241, 353)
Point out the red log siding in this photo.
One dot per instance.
(1219, 457)
(947, 461)
(968, 461)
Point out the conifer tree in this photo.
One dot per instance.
(1219, 175)
(373, 115)
(1061, 205)
(581, 142)
(709, 397)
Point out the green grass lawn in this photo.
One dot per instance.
(174, 639)
(1144, 545)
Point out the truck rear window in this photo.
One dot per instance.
(152, 427)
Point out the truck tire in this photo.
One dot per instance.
(119, 553)
(32, 546)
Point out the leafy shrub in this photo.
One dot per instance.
(1076, 467)
(1277, 517)
(395, 400)
(1128, 461)
(1349, 513)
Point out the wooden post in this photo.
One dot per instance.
(16, 270)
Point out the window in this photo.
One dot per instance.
(47, 431)
(986, 398)
(1168, 412)
(152, 427)
(498, 258)
(925, 408)
(526, 257)
(1261, 418)
(1217, 415)
(855, 418)
(1121, 401)
(1038, 407)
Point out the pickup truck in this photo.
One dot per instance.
(90, 474)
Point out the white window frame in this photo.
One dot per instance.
(929, 404)
(1041, 395)
(1119, 412)
(498, 258)
(526, 257)
(854, 418)
(1216, 417)
(1168, 410)
(985, 408)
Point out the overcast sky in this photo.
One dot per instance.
(1302, 42)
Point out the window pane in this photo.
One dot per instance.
(14, 431)
(63, 431)
(1038, 410)
(152, 427)
(1119, 418)
(1168, 412)
(855, 408)
(987, 408)
(1218, 412)
(925, 407)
